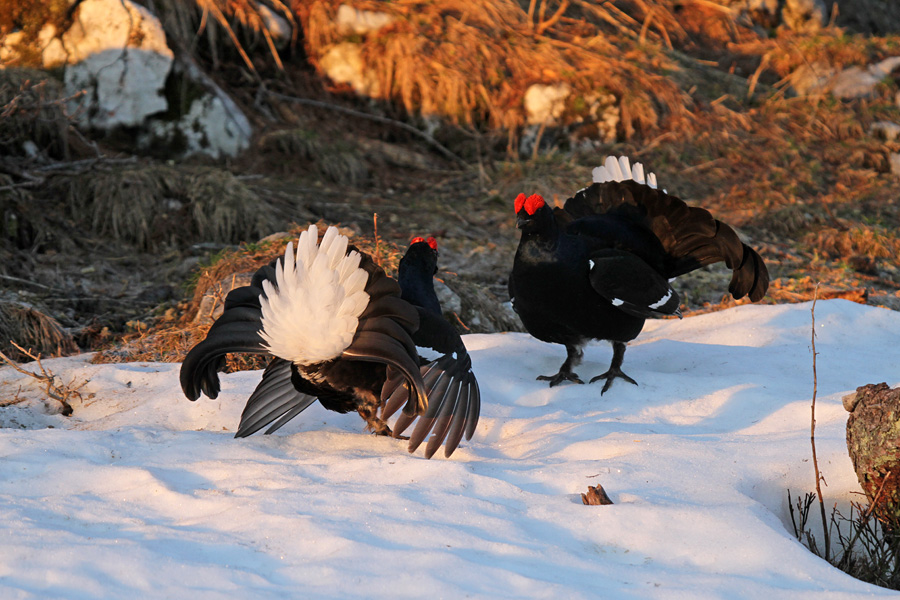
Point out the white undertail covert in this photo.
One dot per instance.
(620, 170)
(312, 312)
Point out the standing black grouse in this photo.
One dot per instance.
(601, 265)
(338, 331)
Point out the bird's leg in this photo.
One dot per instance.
(614, 368)
(373, 422)
(368, 410)
(573, 359)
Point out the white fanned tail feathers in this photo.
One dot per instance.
(313, 313)
(620, 170)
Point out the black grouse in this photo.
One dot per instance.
(453, 368)
(339, 332)
(601, 265)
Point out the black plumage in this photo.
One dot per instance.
(601, 265)
(450, 374)
(380, 362)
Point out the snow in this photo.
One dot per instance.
(142, 493)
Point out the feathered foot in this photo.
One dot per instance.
(373, 422)
(573, 358)
(615, 371)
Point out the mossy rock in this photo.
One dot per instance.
(873, 441)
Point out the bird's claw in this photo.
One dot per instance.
(560, 377)
(613, 373)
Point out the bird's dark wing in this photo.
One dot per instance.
(631, 285)
(690, 236)
(274, 399)
(454, 398)
(384, 334)
(237, 330)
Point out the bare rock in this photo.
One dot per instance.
(210, 122)
(343, 64)
(852, 83)
(894, 160)
(886, 130)
(873, 441)
(115, 50)
(545, 104)
(212, 305)
(805, 15)
(353, 20)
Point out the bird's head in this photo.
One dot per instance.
(422, 252)
(531, 212)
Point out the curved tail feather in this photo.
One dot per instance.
(690, 236)
(274, 398)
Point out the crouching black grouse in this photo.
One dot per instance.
(602, 264)
(340, 333)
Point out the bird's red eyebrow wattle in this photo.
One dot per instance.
(432, 242)
(520, 202)
(533, 203)
(416, 240)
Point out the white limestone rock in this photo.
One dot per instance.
(894, 160)
(886, 130)
(352, 20)
(805, 15)
(855, 82)
(116, 52)
(343, 64)
(545, 104)
(211, 124)
(277, 26)
(852, 83)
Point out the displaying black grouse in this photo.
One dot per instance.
(454, 368)
(339, 332)
(601, 265)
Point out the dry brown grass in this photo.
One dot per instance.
(150, 204)
(32, 111)
(471, 62)
(33, 330)
(240, 24)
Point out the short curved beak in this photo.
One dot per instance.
(522, 221)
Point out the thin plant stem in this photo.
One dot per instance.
(812, 431)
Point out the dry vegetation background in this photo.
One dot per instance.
(104, 250)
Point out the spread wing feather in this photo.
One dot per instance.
(274, 398)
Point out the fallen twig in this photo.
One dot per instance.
(62, 393)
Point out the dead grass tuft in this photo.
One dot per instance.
(222, 208)
(337, 160)
(33, 329)
(151, 204)
(32, 112)
(243, 23)
(870, 242)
